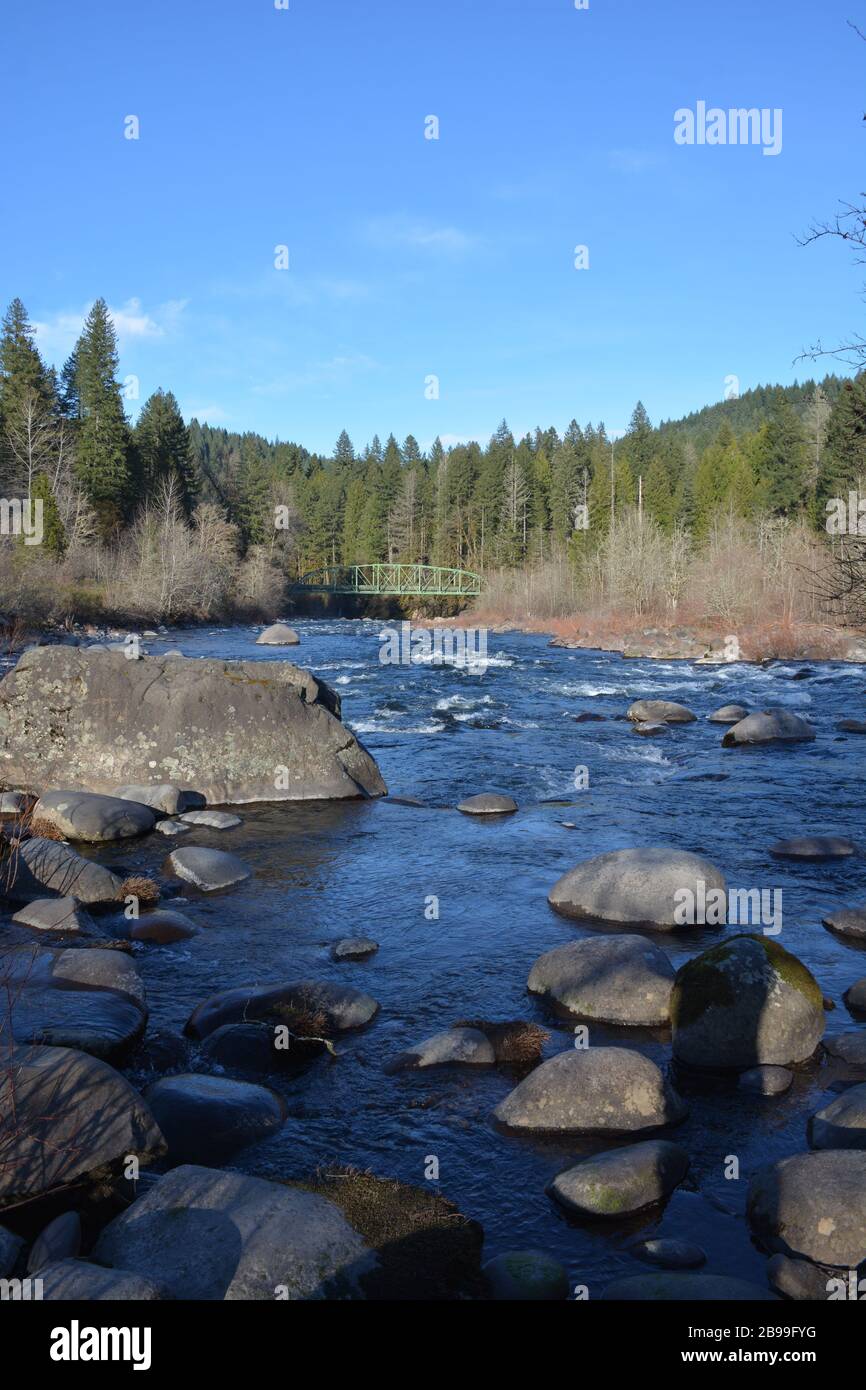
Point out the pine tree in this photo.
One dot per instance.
(163, 449)
(782, 460)
(843, 467)
(344, 451)
(102, 458)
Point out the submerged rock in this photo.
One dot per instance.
(91, 1000)
(659, 712)
(640, 887)
(91, 817)
(278, 635)
(621, 1181)
(849, 1048)
(769, 726)
(487, 804)
(237, 730)
(813, 847)
(162, 926)
(600, 1090)
(526, 1276)
(813, 1206)
(609, 979)
(745, 1003)
(668, 1253)
(75, 1116)
(303, 1005)
(214, 820)
(207, 1234)
(207, 869)
(354, 948)
(766, 1081)
(855, 997)
(205, 1119)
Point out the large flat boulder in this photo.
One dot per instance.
(207, 869)
(659, 712)
(813, 1206)
(302, 1005)
(745, 1003)
(74, 1116)
(207, 1234)
(91, 1000)
(607, 979)
(597, 1090)
(641, 887)
(206, 1119)
(236, 730)
(92, 817)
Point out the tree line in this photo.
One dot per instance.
(65, 438)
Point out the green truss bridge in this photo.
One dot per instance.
(384, 578)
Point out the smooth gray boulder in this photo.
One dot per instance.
(207, 1234)
(161, 796)
(745, 1003)
(659, 712)
(849, 1048)
(487, 804)
(607, 979)
(214, 820)
(354, 948)
(728, 714)
(75, 1115)
(841, 1124)
(93, 818)
(526, 1276)
(60, 1240)
(52, 915)
(640, 887)
(599, 1090)
(766, 1081)
(649, 730)
(813, 847)
(92, 1000)
(79, 1281)
(800, 1280)
(245, 1047)
(668, 1253)
(452, 1047)
(812, 1206)
(686, 1288)
(336, 1007)
(769, 726)
(206, 1119)
(236, 730)
(278, 635)
(847, 921)
(621, 1181)
(207, 869)
(852, 726)
(39, 864)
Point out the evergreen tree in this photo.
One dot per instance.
(163, 449)
(53, 533)
(102, 462)
(843, 468)
(344, 451)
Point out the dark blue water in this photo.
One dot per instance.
(368, 868)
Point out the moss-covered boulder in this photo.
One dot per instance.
(621, 1181)
(745, 1003)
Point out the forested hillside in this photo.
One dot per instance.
(251, 514)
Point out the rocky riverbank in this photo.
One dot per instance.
(112, 1124)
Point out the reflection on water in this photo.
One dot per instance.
(439, 733)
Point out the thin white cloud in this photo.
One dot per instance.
(336, 370)
(394, 232)
(210, 412)
(58, 334)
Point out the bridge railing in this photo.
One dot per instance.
(387, 577)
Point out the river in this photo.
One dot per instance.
(438, 732)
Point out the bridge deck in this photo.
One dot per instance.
(386, 578)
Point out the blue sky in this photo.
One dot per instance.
(411, 257)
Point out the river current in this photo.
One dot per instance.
(371, 868)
